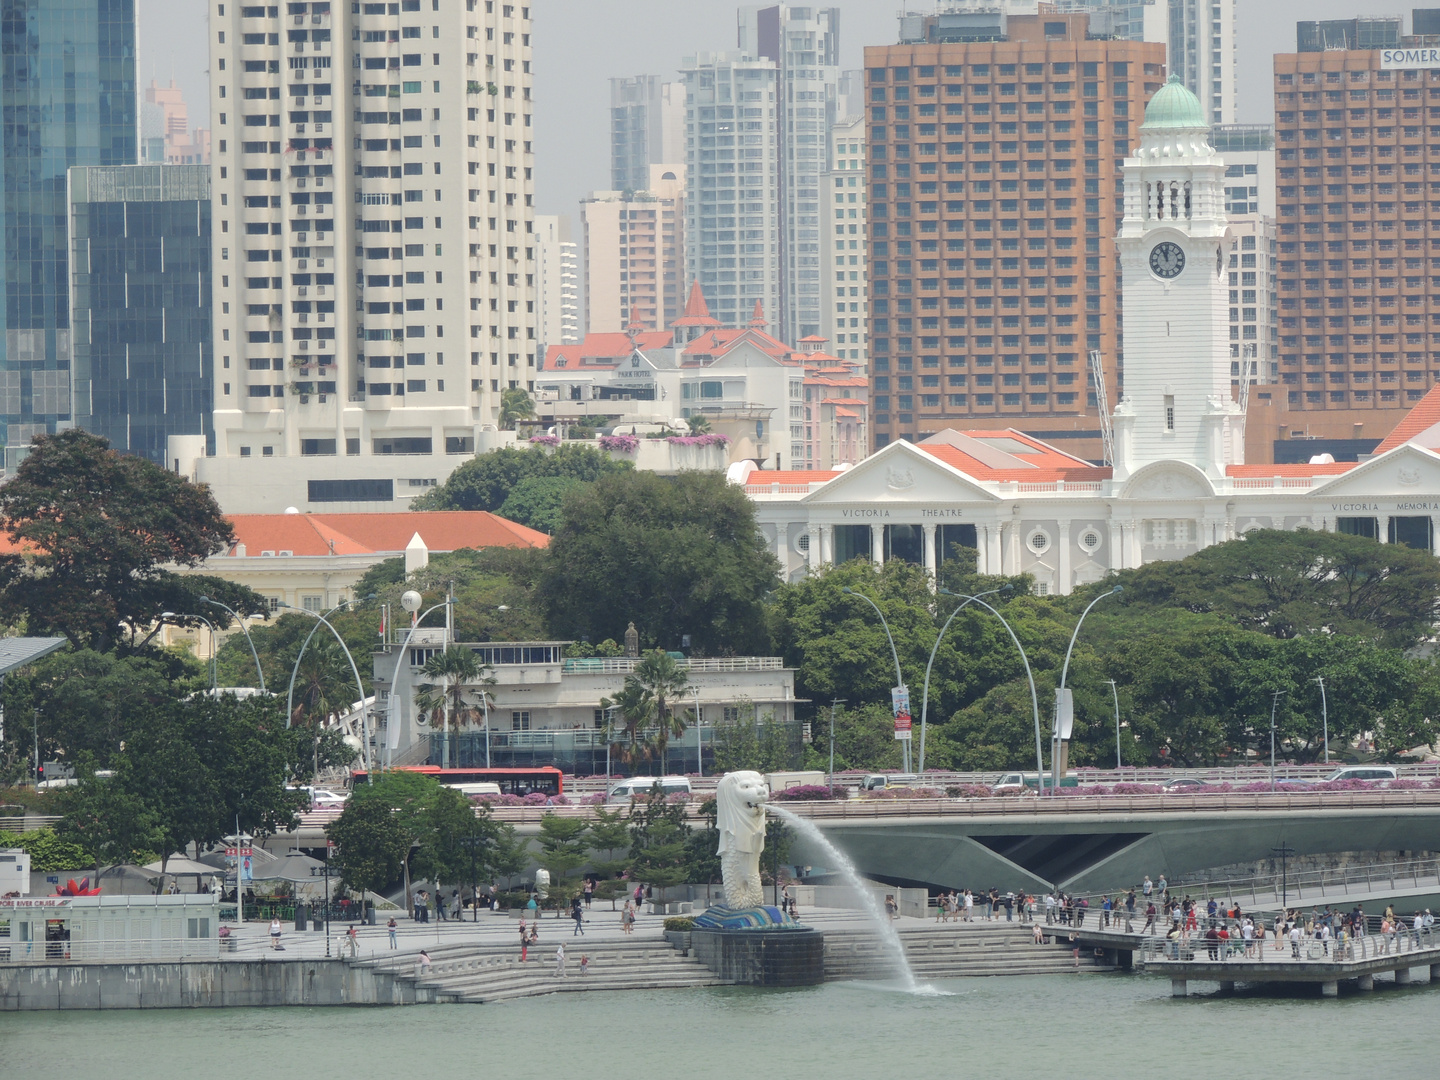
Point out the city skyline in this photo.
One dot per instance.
(585, 43)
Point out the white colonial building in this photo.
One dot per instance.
(1177, 483)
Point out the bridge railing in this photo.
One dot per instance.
(1370, 944)
(1324, 885)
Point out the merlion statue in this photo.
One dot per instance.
(740, 817)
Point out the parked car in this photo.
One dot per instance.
(1184, 783)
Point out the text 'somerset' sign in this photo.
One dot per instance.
(1399, 59)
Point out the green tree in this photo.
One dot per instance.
(697, 423)
(456, 668)
(416, 804)
(47, 851)
(536, 501)
(105, 818)
(1290, 583)
(100, 531)
(515, 405)
(659, 835)
(664, 680)
(370, 845)
(487, 480)
(632, 708)
(609, 834)
(679, 556)
(563, 848)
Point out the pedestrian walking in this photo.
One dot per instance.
(1295, 941)
(524, 942)
(393, 927)
(627, 918)
(892, 909)
(1149, 918)
(560, 961)
(589, 893)
(578, 914)
(275, 933)
(439, 904)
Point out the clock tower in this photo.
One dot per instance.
(1176, 404)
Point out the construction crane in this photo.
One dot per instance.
(1102, 403)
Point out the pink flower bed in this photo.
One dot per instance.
(624, 444)
(710, 438)
(807, 793)
(544, 440)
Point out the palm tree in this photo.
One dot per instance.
(699, 425)
(633, 703)
(663, 679)
(515, 404)
(455, 667)
(325, 689)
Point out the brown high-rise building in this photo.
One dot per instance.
(995, 151)
(1357, 137)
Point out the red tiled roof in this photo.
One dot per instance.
(1048, 463)
(716, 343)
(600, 351)
(1420, 419)
(697, 312)
(363, 534)
(1334, 468)
(762, 477)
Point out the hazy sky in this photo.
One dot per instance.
(579, 44)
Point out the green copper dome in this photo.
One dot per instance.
(1174, 107)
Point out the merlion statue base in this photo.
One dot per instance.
(762, 917)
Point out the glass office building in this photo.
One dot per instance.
(140, 304)
(67, 90)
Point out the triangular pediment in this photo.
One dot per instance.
(900, 474)
(1406, 470)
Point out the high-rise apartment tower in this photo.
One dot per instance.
(376, 263)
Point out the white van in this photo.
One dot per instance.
(639, 787)
(480, 788)
(1363, 772)
(878, 781)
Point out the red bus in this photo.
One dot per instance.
(547, 780)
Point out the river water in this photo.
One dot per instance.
(1053, 1026)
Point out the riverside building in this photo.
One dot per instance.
(375, 264)
(995, 189)
(1179, 482)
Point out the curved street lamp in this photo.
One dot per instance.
(899, 677)
(178, 615)
(925, 692)
(1034, 697)
(290, 693)
(1060, 693)
(244, 630)
(359, 685)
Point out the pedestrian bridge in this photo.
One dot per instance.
(1091, 844)
(1082, 844)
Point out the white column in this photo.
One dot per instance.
(1013, 555)
(993, 564)
(1064, 570)
(929, 556)
(1117, 550)
(877, 544)
(782, 544)
(1136, 554)
(1382, 528)
(1435, 534)
(812, 547)
(827, 544)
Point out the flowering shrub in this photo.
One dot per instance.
(969, 791)
(1404, 783)
(545, 440)
(1130, 787)
(625, 444)
(535, 798)
(677, 797)
(595, 799)
(807, 793)
(710, 438)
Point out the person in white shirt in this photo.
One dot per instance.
(560, 962)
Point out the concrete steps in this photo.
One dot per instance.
(478, 973)
(951, 952)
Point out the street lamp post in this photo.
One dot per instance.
(1324, 716)
(1064, 710)
(1274, 703)
(899, 677)
(699, 743)
(290, 693)
(1284, 852)
(925, 690)
(359, 685)
(211, 626)
(473, 843)
(1034, 697)
(833, 703)
(259, 672)
(1117, 722)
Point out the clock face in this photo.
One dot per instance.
(1167, 260)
